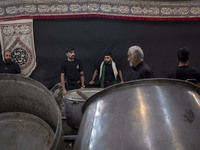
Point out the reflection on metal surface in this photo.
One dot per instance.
(151, 114)
(167, 118)
(195, 97)
(94, 133)
(144, 116)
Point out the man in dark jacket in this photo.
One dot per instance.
(183, 71)
(8, 66)
(140, 69)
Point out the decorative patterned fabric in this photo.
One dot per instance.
(123, 9)
(17, 37)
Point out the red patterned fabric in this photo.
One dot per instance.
(17, 37)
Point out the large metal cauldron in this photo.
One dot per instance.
(157, 114)
(57, 92)
(29, 116)
(24, 131)
(74, 101)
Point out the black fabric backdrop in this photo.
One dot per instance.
(93, 37)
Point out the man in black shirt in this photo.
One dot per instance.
(108, 72)
(183, 71)
(8, 66)
(140, 69)
(72, 76)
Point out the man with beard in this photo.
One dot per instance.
(8, 66)
(108, 72)
(72, 76)
(140, 69)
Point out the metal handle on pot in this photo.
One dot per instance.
(82, 94)
(68, 138)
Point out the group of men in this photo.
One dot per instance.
(72, 75)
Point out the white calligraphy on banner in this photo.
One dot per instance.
(17, 37)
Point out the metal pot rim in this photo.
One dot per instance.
(139, 82)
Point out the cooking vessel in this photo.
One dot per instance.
(151, 114)
(74, 101)
(19, 96)
(57, 93)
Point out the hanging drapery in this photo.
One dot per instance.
(122, 9)
(17, 37)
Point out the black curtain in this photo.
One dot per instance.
(93, 37)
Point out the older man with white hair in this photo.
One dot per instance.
(140, 69)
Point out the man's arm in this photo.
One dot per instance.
(62, 77)
(120, 76)
(82, 79)
(93, 77)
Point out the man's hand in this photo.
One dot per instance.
(64, 91)
(91, 82)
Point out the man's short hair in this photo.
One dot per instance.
(6, 51)
(183, 54)
(108, 54)
(69, 49)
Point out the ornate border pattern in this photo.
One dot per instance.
(141, 10)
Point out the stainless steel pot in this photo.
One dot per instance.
(74, 102)
(153, 114)
(57, 92)
(24, 95)
(24, 131)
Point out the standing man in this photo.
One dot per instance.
(140, 69)
(183, 71)
(108, 72)
(8, 66)
(72, 76)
